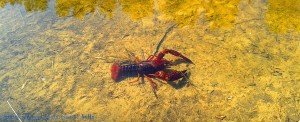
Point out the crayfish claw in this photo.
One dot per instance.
(175, 75)
(175, 53)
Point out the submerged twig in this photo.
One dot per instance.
(14, 111)
(97, 10)
(163, 38)
(23, 85)
(22, 17)
(131, 54)
(52, 64)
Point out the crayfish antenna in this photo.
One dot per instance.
(189, 82)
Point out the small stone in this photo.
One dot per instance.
(221, 117)
(43, 79)
(214, 83)
(276, 73)
(252, 84)
(233, 56)
(229, 98)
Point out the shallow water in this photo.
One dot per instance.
(56, 57)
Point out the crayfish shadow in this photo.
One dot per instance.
(181, 83)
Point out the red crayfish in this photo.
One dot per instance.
(153, 66)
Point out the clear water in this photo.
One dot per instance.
(56, 56)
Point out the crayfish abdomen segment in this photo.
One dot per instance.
(118, 70)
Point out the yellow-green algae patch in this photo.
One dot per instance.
(283, 16)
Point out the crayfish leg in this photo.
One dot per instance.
(138, 78)
(153, 84)
(150, 57)
(137, 60)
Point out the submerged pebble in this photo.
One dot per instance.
(43, 79)
(252, 84)
(276, 73)
(214, 83)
